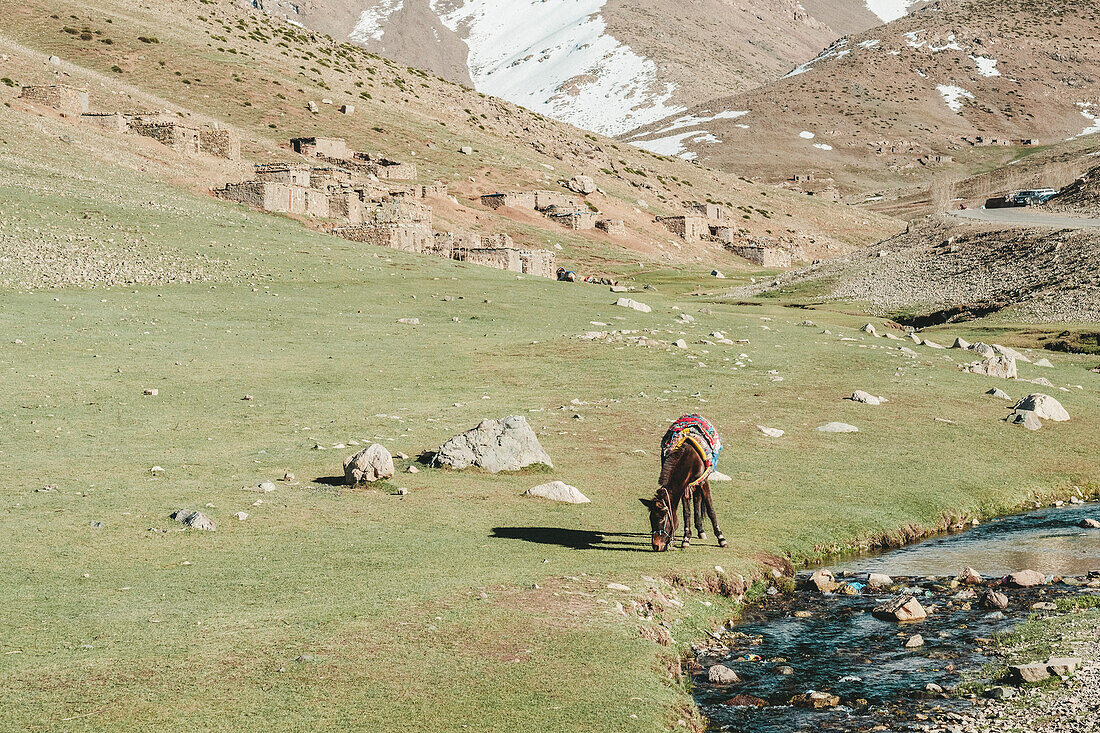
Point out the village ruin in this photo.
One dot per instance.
(355, 195)
(166, 128)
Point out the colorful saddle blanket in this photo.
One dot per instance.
(698, 431)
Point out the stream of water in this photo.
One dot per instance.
(788, 645)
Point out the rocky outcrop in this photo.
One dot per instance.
(507, 444)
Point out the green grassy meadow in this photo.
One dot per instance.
(461, 605)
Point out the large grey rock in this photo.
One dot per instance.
(866, 398)
(1063, 666)
(1025, 418)
(194, 519)
(720, 674)
(823, 580)
(373, 463)
(879, 580)
(1010, 352)
(1034, 672)
(558, 491)
(837, 427)
(984, 350)
(507, 444)
(998, 365)
(960, 344)
(631, 303)
(1044, 406)
(902, 608)
(999, 393)
(582, 184)
(993, 600)
(1026, 578)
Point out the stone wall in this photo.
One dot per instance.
(690, 227)
(501, 258)
(538, 262)
(327, 147)
(576, 219)
(179, 137)
(763, 255)
(65, 99)
(710, 211)
(544, 199)
(515, 200)
(220, 142)
(298, 175)
(614, 227)
(113, 122)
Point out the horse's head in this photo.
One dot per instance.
(662, 520)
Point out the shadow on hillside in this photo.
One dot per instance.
(331, 481)
(577, 539)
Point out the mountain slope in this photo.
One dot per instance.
(872, 107)
(603, 65)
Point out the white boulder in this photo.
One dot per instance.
(558, 491)
(837, 427)
(1044, 406)
(631, 303)
(373, 463)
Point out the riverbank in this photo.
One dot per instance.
(1067, 705)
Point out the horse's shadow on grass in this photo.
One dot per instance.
(576, 539)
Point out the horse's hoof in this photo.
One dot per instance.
(702, 535)
(722, 543)
(684, 545)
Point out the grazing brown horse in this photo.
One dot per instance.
(679, 472)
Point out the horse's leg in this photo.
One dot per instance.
(713, 517)
(686, 503)
(697, 505)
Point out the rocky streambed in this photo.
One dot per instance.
(896, 641)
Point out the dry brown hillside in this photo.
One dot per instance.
(945, 269)
(956, 88)
(256, 73)
(1081, 196)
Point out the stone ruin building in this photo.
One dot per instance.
(370, 210)
(167, 129)
(335, 150)
(555, 205)
(709, 222)
(69, 101)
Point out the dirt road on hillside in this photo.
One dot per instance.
(1028, 218)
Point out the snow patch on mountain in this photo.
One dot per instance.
(888, 10)
(953, 96)
(986, 66)
(835, 51)
(558, 59)
(372, 20)
(662, 143)
(1087, 111)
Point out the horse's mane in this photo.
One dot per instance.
(669, 463)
